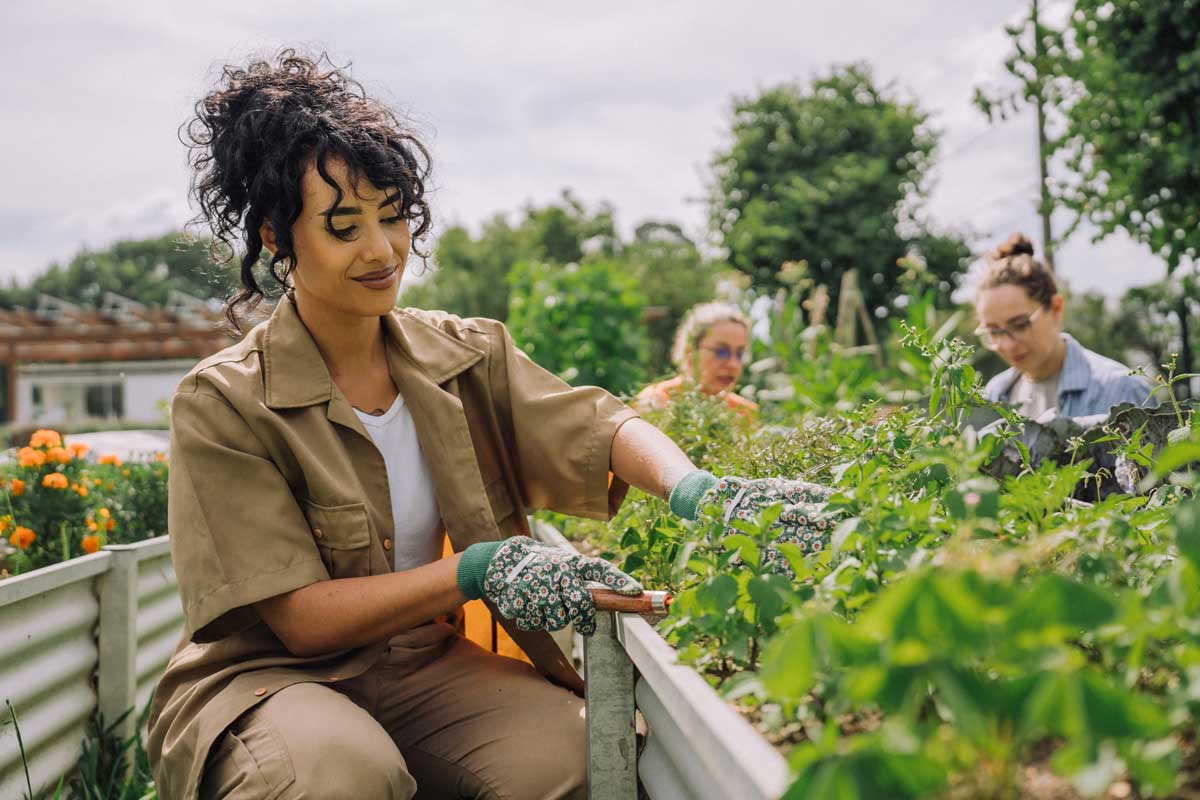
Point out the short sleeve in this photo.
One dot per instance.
(238, 535)
(563, 435)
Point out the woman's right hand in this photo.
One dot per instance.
(538, 586)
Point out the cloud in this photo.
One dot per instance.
(624, 101)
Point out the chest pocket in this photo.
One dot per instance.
(343, 536)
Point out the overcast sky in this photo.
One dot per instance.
(623, 102)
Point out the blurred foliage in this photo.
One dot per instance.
(470, 274)
(1133, 73)
(831, 173)
(582, 321)
(1142, 326)
(145, 270)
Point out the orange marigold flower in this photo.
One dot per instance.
(160, 457)
(104, 513)
(60, 454)
(22, 537)
(110, 458)
(125, 472)
(91, 525)
(45, 438)
(28, 457)
(17, 488)
(90, 543)
(112, 523)
(81, 490)
(55, 480)
(80, 449)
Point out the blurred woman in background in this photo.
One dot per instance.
(711, 349)
(1050, 374)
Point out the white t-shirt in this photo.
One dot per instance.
(1034, 398)
(414, 505)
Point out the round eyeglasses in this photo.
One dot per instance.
(992, 336)
(723, 353)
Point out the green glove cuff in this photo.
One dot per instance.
(472, 567)
(685, 497)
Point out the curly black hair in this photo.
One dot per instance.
(252, 139)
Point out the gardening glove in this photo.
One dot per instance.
(538, 586)
(804, 521)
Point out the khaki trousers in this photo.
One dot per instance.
(439, 717)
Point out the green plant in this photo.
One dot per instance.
(582, 321)
(56, 504)
(961, 635)
(112, 767)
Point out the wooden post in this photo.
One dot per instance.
(611, 737)
(117, 690)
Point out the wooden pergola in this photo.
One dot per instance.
(119, 329)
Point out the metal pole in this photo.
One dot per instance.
(611, 738)
(117, 683)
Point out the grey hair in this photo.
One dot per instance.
(697, 322)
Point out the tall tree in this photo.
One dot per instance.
(1032, 64)
(145, 270)
(1133, 127)
(830, 173)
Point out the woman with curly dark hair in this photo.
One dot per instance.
(317, 465)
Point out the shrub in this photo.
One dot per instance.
(581, 321)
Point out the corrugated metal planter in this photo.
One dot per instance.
(697, 745)
(91, 633)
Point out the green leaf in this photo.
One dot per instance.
(717, 595)
(767, 597)
(789, 663)
(1186, 520)
(1057, 606)
(632, 563)
(631, 538)
(745, 546)
(795, 558)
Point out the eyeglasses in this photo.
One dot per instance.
(723, 353)
(992, 337)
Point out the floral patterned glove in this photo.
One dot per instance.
(804, 521)
(538, 586)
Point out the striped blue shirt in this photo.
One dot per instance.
(1088, 385)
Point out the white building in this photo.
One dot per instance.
(63, 364)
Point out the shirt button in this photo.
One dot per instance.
(317, 533)
(260, 691)
(387, 544)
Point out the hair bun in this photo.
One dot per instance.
(1017, 245)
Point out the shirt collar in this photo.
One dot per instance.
(1076, 373)
(296, 375)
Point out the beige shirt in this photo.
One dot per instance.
(275, 484)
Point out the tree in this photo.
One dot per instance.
(673, 276)
(1133, 127)
(1031, 64)
(145, 270)
(470, 274)
(830, 174)
(582, 321)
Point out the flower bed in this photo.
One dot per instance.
(58, 502)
